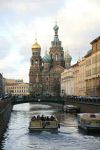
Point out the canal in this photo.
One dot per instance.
(68, 137)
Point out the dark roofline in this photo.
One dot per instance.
(88, 53)
(76, 64)
(95, 40)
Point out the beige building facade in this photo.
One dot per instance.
(70, 81)
(82, 77)
(85, 74)
(93, 69)
(67, 82)
(16, 87)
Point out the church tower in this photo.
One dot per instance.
(45, 73)
(35, 69)
(56, 50)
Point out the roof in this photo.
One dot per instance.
(36, 46)
(95, 40)
(47, 58)
(88, 53)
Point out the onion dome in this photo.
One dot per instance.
(68, 57)
(56, 28)
(46, 58)
(36, 46)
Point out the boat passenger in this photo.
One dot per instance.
(33, 118)
(38, 117)
(52, 118)
(47, 118)
(42, 118)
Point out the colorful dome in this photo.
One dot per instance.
(47, 58)
(56, 28)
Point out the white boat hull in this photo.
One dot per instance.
(88, 123)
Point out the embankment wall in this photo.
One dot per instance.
(5, 111)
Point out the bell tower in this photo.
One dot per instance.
(36, 65)
(56, 50)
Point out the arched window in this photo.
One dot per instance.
(36, 61)
(42, 64)
(61, 56)
(51, 56)
(56, 57)
(32, 62)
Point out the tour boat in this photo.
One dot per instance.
(89, 121)
(41, 123)
(71, 108)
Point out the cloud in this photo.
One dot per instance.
(36, 7)
(79, 21)
(24, 20)
(4, 47)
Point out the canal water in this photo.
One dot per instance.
(68, 137)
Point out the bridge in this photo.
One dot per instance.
(86, 104)
(28, 99)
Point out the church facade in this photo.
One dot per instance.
(45, 73)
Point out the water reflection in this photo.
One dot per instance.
(68, 136)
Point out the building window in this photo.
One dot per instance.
(94, 70)
(42, 64)
(36, 62)
(98, 58)
(88, 62)
(51, 56)
(98, 69)
(88, 72)
(93, 60)
(56, 57)
(61, 56)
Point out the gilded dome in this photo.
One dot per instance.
(36, 46)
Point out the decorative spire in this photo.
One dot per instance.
(56, 39)
(56, 28)
(36, 40)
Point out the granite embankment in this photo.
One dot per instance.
(5, 111)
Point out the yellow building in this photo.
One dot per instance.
(93, 69)
(76, 78)
(85, 78)
(16, 87)
(82, 77)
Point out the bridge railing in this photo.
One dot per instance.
(59, 100)
(53, 99)
(83, 99)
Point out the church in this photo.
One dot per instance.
(44, 73)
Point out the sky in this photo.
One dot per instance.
(22, 21)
